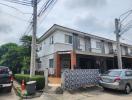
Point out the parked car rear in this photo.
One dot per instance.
(5, 79)
(118, 79)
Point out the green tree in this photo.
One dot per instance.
(11, 56)
(26, 44)
(7, 47)
(16, 57)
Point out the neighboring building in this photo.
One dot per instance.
(64, 48)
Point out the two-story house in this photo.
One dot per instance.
(63, 48)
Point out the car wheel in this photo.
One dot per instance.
(127, 89)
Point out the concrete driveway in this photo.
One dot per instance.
(8, 96)
(94, 93)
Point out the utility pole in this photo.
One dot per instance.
(117, 31)
(33, 45)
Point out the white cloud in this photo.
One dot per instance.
(93, 24)
(91, 16)
(94, 4)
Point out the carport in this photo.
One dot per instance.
(95, 62)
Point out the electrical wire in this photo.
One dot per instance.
(20, 2)
(124, 13)
(39, 1)
(129, 13)
(122, 17)
(126, 39)
(29, 27)
(21, 19)
(43, 9)
(13, 8)
(126, 27)
(46, 5)
(41, 18)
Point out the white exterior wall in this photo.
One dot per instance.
(59, 37)
(59, 44)
(45, 61)
(48, 50)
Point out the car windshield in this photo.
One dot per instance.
(113, 73)
(3, 71)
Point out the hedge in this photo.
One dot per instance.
(40, 81)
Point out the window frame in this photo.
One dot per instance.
(51, 63)
(68, 39)
(130, 50)
(52, 40)
(98, 45)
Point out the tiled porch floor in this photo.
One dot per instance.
(54, 80)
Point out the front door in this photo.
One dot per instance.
(65, 63)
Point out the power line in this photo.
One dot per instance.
(20, 2)
(13, 8)
(118, 23)
(39, 1)
(126, 27)
(129, 11)
(44, 11)
(15, 17)
(45, 6)
(29, 27)
(126, 39)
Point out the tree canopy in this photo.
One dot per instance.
(16, 57)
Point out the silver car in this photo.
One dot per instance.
(118, 79)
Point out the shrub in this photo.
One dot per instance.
(40, 81)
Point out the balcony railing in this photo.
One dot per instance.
(96, 50)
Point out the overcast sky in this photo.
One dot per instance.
(91, 16)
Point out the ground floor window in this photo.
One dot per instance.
(51, 63)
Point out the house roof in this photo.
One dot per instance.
(56, 27)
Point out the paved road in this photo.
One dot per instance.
(88, 94)
(8, 96)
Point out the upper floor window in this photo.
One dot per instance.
(98, 45)
(68, 39)
(130, 51)
(51, 63)
(110, 46)
(51, 40)
(78, 43)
